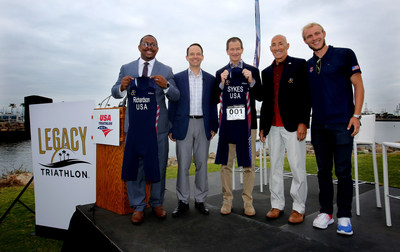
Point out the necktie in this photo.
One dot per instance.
(145, 69)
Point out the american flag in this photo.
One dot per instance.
(356, 67)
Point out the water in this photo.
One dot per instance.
(18, 154)
(387, 131)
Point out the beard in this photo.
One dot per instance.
(317, 49)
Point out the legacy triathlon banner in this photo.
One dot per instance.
(64, 160)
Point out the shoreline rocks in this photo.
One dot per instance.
(12, 179)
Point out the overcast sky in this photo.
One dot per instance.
(73, 50)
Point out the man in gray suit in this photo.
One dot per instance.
(162, 75)
(194, 123)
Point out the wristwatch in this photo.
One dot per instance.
(167, 85)
(357, 116)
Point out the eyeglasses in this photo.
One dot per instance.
(318, 66)
(145, 44)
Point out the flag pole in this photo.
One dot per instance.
(256, 61)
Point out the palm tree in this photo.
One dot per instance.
(12, 106)
(22, 113)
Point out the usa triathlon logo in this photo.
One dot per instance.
(104, 129)
(104, 121)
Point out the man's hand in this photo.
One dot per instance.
(224, 76)
(262, 137)
(301, 131)
(356, 123)
(248, 75)
(125, 82)
(170, 137)
(212, 135)
(160, 80)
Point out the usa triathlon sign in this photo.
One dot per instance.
(106, 126)
(64, 160)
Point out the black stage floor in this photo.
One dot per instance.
(94, 228)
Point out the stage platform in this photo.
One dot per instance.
(94, 228)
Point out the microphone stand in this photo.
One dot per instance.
(108, 99)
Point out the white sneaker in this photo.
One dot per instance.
(323, 220)
(344, 226)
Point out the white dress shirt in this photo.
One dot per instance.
(196, 93)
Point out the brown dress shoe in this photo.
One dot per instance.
(274, 213)
(296, 217)
(137, 217)
(159, 212)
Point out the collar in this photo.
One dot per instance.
(281, 63)
(190, 73)
(326, 55)
(239, 65)
(151, 62)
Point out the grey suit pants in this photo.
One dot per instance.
(197, 146)
(137, 189)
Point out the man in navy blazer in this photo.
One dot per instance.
(285, 116)
(194, 123)
(234, 49)
(163, 77)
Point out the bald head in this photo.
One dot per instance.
(279, 47)
(279, 37)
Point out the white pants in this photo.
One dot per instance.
(278, 140)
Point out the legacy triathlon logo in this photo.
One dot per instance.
(66, 145)
(105, 120)
(64, 159)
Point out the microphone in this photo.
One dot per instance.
(123, 102)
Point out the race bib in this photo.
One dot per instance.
(237, 112)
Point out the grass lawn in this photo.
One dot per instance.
(17, 229)
(365, 169)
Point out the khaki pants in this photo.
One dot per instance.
(248, 174)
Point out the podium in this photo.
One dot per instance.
(111, 193)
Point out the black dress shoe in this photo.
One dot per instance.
(181, 209)
(202, 208)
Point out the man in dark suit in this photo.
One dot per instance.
(234, 49)
(194, 123)
(285, 116)
(162, 75)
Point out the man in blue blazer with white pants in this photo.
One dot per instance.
(194, 123)
(162, 75)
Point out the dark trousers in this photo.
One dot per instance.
(333, 144)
